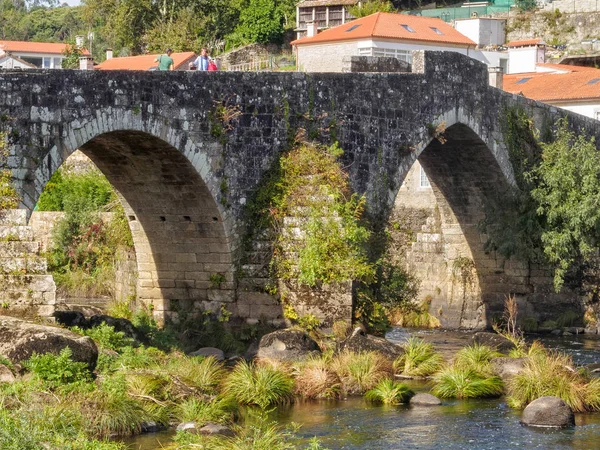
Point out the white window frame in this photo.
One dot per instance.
(423, 180)
(402, 55)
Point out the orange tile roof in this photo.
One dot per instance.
(526, 43)
(35, 47)
(143, 62)
(389, 26)
(549, 87)
(566, 67)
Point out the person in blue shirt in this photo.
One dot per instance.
(202, 61)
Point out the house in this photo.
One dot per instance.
(380, 34)
(322, 13)
(525, 55)
(8, 61)
(181, 61)
(573, 88)
(43, 55)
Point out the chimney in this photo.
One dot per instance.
(109, 53)
(312, 28)
(496, 76)
(79, 41)
(86, 63)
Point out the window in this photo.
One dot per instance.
(57, 63)
(47, 63)
(402, 55)
(597, 114)
(523, 80)
(408, 28)
(423, 180)
(436, 31)
(594, 81)
(37, 62)
(353, 27)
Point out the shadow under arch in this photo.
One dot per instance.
(465, 284)
(177, 228)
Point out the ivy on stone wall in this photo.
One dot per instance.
(9, 198)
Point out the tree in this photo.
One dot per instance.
(261, 21)
(371, 7)
(568, 193)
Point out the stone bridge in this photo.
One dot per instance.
(185, 150)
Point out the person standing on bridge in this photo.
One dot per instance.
(202, 61)
(165, 62)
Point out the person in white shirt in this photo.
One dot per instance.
(202, 61)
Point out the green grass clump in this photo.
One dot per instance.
(476, 358)
(360, 372)
(219, 410)
(457, 382)
(389, 392)
(258, 385)
(548, 373)
(58, 370)
(419, 359)
(106, 337)
(203, 374)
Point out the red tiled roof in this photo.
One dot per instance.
(143, 62)
(549, 87)
(389, 26)
(35, 47)
(526, 43)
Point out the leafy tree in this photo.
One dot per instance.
(72, 55)
(261, 21)
(371, 7)
(568, 193)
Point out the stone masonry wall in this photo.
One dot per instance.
(25, 286)
(186, 150)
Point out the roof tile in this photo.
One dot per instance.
(35, 47)
(143, 62)
(389, 26)
(555, 87)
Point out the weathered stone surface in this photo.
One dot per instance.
(118, 323)
(287, 345)
(425, 400)
(6, 375)
(361, 342)
(216, 353)
(151, 427)
(494, 340)
(19, 339)
(71, 319)
(188, 176)
(548, 412)
(190, 427)
(212, 429)
(506, 368)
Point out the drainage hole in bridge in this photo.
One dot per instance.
(187, 218)
(215, 219)
(163, 219)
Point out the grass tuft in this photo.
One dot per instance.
(476, 358)
(360, 372)
(419, 359)
(389, 392)
(457, 382)
(315, 379)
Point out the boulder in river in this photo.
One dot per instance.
(548, 412)
(19, 339)
(287, 345)
(506, 367)
(359, 341)
(494, 340)
(425, 400)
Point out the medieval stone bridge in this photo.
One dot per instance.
(185, 163)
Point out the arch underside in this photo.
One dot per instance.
(465, 284)
(177, 228)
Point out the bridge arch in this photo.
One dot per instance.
(464, 282)
(180, 226)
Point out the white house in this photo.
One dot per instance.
(380, 34)
(43, 55)
(8, 61)
(485, 32)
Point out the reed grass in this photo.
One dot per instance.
(360, 372)
(389, 392)
(419, 359)
(458, 382)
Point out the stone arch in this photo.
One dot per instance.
(166, 183)
(465, 284)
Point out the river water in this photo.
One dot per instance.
(457, 424)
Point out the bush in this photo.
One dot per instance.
(457, 382)
(195, 410)
(419, 359)
(389, 392)
(476, 358)
(360, 372)
(203, 374)
(258, 385)
(58, 370)
(315, 379)
(548, 373)
(106, 337)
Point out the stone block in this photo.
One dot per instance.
(13, 217)
(16, 233)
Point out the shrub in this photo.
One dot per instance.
(457, 382)
(550, 374)
(476, 358)
(106, 337)
(58, 370)
(258, 385)
(389, 392)
(203, 374)
(419, 359)
(360, 372)
(195, 410)
(314, 379)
